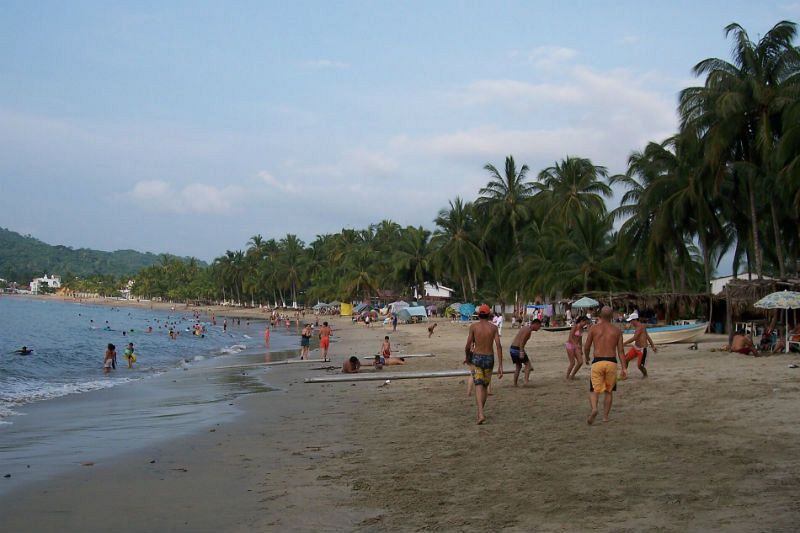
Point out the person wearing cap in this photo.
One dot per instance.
(607, 341)
(482, 343)
(640, 341)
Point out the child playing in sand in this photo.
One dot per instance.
(386, 353)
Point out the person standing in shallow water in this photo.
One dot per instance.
(110, 357)
(482, 341)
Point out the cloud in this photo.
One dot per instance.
(551, 56)
(156, 195)
(518, 94)
(628, 40)
(273, 182)
(325, 63)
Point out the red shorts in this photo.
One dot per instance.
(325, 343)
(636, 353)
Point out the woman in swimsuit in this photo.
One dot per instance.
(305, 341)
(574, 345)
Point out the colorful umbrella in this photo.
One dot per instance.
(781, 300)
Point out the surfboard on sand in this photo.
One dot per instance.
(383, 376)
(274, 363)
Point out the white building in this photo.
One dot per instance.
(54, 282)
(435, 291)
(718, 284)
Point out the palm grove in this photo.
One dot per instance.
(728, 180)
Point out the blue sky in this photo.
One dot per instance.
(188, 127)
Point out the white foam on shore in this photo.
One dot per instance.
(230, 350)
(24, 392)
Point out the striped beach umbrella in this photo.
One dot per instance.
(781, 300)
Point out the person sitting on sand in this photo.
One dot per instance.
(742, 344)
(517, 350)
(379, 362)
(430, 329)
(351, 366)
(386, 353)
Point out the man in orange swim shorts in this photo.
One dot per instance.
(607, 341)
(325, 339)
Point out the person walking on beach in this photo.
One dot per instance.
(266, 334)
(224, 325)
(640, 341)
(574, 346)
(110, 358)
(325, 333)
(607, 341)
(517, 350)
(305, 341)
(394, 322)
(482, 343)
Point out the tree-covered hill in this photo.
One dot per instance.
(23, 257)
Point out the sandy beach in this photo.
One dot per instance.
(708, 442)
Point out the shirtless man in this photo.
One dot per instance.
(482, 343)
(517, 350)
(741, 343)
(351, 366)
(607, 341)
(640, 341)
(431, 328)
(325, 333)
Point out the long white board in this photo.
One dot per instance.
(383, 376)
(273, 363)
(401, 356)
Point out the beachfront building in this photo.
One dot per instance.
(434, 291)
(718, 284)
(53, 282)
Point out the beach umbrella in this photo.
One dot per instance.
(586, 302)
(781, 300)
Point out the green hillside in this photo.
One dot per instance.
(23, 257)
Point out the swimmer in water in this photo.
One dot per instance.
(24, 351)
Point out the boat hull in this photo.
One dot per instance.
(672, 334)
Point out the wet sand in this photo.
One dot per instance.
(708, 442)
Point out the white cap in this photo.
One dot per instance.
(633, 316)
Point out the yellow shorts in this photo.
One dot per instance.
(604, 376)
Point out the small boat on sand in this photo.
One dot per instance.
(672, 334)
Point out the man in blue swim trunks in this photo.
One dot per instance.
(517, 350)
(482, 342)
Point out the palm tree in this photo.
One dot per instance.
(456, 251)
(737, 111)
(292, 261)
(571, 187)
(505, 199)
(413, 258)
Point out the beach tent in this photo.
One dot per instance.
(398, 305)
(346, 309)
(321, 305)
(335, 303)
(362, 308)
(586, 302)
(406, 313)
(466, 311)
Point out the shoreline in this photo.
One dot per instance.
(710, 441)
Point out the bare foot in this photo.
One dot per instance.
(481, 420)
(591, 418)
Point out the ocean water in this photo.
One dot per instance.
(69, 342)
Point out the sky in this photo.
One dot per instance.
(188, 127)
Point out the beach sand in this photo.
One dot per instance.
(708, 442)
